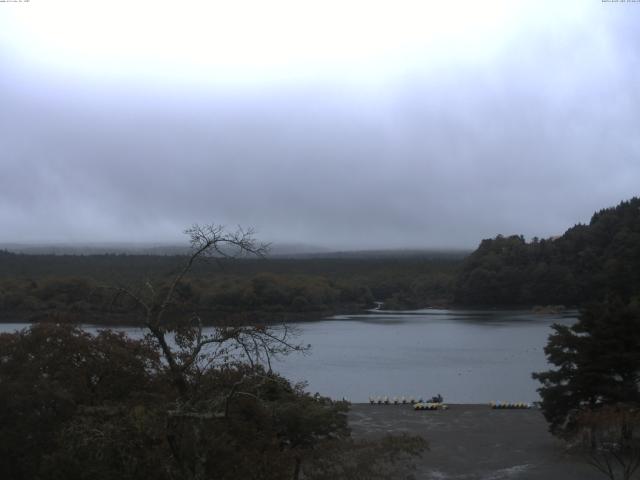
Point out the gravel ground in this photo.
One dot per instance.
(469, 442)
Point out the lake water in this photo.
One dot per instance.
(466, 356)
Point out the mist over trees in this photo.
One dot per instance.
(583, 264)
(105, 406)
(180, 403)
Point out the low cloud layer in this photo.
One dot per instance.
(529, 139)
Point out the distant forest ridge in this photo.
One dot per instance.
(586, 263)
(277, 250)
(37, 287)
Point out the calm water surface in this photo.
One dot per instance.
(466, 356)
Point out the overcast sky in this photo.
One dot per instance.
(342, 124)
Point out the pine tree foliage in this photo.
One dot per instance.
(597, 363)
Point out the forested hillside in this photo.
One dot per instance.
(38, 286)
(584, 264)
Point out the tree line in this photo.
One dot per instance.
(583, 264)
(591, 395)
(36, 287)
(180, 403)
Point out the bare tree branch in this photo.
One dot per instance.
(184, 345)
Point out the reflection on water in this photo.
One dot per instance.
(468, 356)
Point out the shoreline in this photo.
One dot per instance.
(473, 441)
(257, 317)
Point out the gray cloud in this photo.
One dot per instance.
(530, 141)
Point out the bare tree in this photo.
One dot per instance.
(609, 437)
(185, 346)
(191, 352)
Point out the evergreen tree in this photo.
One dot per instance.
(597, 360)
